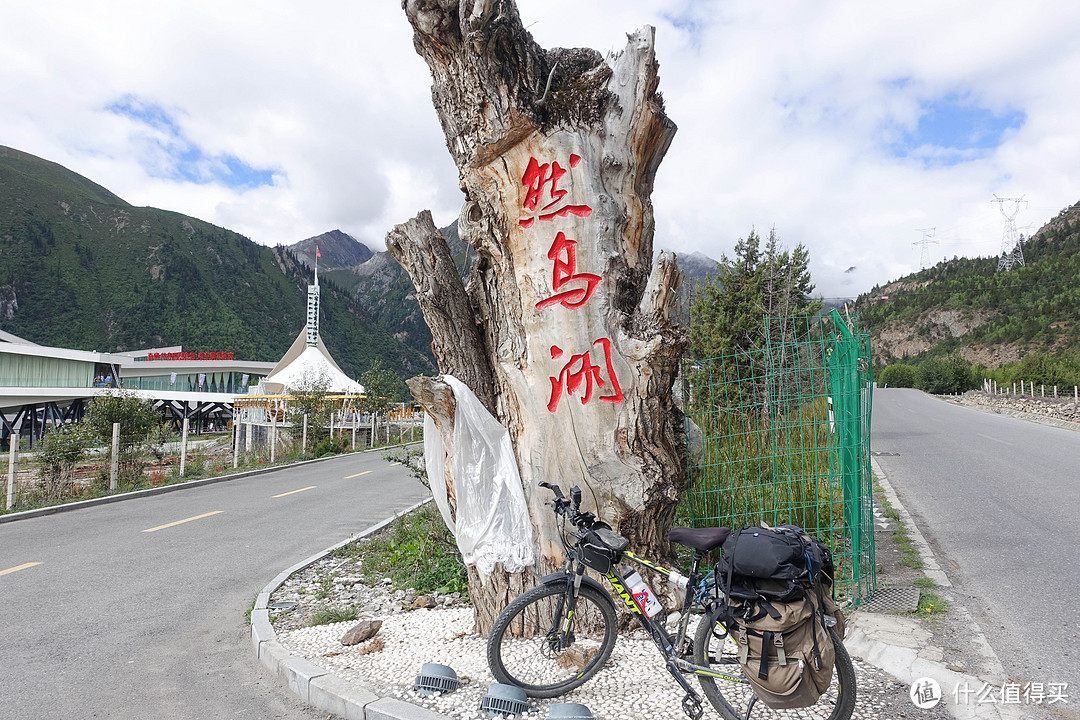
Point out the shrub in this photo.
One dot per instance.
(138, 422)
(57, 454)
(898, 375)
(950, 374)
(417, 551)
(934, 376)
(331, 446)
(1042, 369)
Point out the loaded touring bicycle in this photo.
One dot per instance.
(768, 640)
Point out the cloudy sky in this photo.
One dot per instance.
(850, 126)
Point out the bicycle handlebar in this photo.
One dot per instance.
(570, 506)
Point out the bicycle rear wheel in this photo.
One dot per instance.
(713, 648)
(535, 646)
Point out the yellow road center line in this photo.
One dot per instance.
(181, 522)
(349, 477)
(17, 568)
(1003, 442)
(293, 492)
(395, 463)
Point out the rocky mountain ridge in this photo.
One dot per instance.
(990, 317)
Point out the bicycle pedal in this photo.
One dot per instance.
(692, 707)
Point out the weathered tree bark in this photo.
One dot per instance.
(565, 328)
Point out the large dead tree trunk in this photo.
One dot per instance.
(565, 328)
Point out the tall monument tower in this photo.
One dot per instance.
(313, 306)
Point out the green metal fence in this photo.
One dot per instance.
(785, 438)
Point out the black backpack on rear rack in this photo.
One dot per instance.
(779, 606)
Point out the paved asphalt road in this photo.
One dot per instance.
(999, 499)
(120, 622)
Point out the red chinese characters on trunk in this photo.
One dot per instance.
(545, 201)
(537, 178)
(580, 369)
(564, 254)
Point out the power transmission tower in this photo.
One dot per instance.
(1012, 251)
(926, 242)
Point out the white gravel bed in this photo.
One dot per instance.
(633, 684)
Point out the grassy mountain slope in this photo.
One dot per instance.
(81, 268)
(989, 317)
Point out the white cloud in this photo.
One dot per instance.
(787, 112)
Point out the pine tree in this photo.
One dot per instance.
(727, 314)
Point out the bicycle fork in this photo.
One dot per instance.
(560, 636)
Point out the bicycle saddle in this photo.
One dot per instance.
(703, 539)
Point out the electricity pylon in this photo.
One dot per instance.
(1012, 251)
(927, 240)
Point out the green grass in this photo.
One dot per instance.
(416, 551)
(924, 582)
(326, 586)
(756, 471)
(330, 616)
(931, 604)
(909, 554)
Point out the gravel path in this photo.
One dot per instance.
(633, 685)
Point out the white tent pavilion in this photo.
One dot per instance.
(302, 365)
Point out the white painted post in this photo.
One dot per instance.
(355, 420)
(247, 441)
(273, 438)
(372, 428)
(183, 448)
(303, 437)
(1055, 392)
(114, 462)
(1014, 388)
(1042, 390)
(1031, 388)
(13, 459)
(235, 444)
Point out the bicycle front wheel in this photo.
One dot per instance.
(713, 648)
(537, 647)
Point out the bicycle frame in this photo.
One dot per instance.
(696, 590)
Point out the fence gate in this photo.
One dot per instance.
(785, 438)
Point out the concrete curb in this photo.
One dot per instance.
(312, 684)
(902, 646)
(149, 492)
